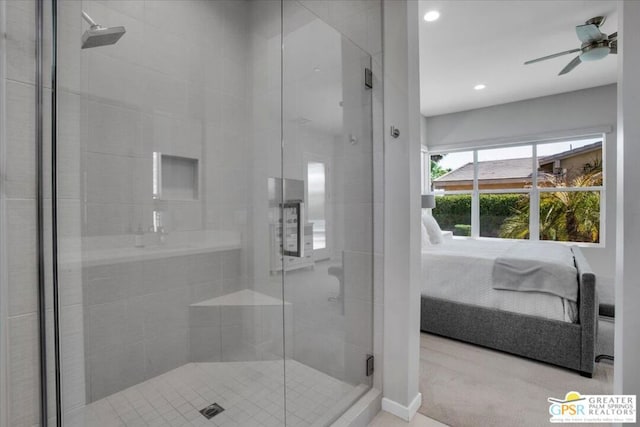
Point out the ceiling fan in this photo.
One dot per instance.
(595, 45)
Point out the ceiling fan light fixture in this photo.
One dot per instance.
(431, 16)
(594, 53)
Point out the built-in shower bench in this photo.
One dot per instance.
(243, 325)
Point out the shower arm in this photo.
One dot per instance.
(89, 20)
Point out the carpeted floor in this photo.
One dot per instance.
(466, 385)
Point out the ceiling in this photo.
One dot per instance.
(488, 41)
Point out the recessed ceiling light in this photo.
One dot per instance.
(431, 16)
(479, 86)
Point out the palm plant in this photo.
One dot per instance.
(564, 215)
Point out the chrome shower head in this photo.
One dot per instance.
(98, 35)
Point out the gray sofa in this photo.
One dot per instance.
(570, 345)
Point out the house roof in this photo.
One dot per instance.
(516, 169)
(570, 153)
(491, 169)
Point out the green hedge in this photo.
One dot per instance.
(453, 212)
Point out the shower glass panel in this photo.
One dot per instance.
(189, 291)
(327, 115)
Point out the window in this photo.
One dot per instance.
(541, 191)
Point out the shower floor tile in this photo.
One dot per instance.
(250, 392)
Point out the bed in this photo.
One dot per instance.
(464, 298)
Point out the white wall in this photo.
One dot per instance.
(555, 116)
(627, 342)
(401, 210)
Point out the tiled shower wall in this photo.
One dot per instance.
(175, 84)
(137, 315)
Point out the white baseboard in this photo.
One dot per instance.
(404, 412)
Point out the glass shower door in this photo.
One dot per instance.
(327, 145)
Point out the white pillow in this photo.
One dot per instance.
(425, 236)
(433, 229)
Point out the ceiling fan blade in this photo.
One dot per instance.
(613, 36)
(571, 65)
(555, 55)
(588, 33)
(613, 47)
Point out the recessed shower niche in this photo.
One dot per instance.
(175, 177)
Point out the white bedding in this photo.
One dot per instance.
(461, 271)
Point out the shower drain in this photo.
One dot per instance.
(211, 410)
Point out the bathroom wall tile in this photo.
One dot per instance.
(166, 351)
(358, 275)
(358, 226)
(204, 268)
(234, 347)
(205, 316)
(21, 257)
(116, 81)
(109, 283)
(232, 146)
(358, 178)
(234, 112)
(23, 370)
(73, 369)
(165, 94)
(165, 312)
(206, 290)
(205, 344)
(116, 368)
(20, 41)
(70, 282)
(132, 8)
(328, 358)
(104, 219)
(160, 275)
(231, 264)
(359, 322)
(113, 325)
(184, 215)
(69, 42)
(111, 179)
(69, 220)
(164, 52)
(20, 178)
(113, 129)
(71, 320)
(234, 285)
(68, 145)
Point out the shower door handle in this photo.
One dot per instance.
(293, 220)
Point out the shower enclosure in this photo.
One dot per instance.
(214, 201)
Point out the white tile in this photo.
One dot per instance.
(23, 369)
(21, 256)
(20, 178)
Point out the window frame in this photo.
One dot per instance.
(534, 192)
